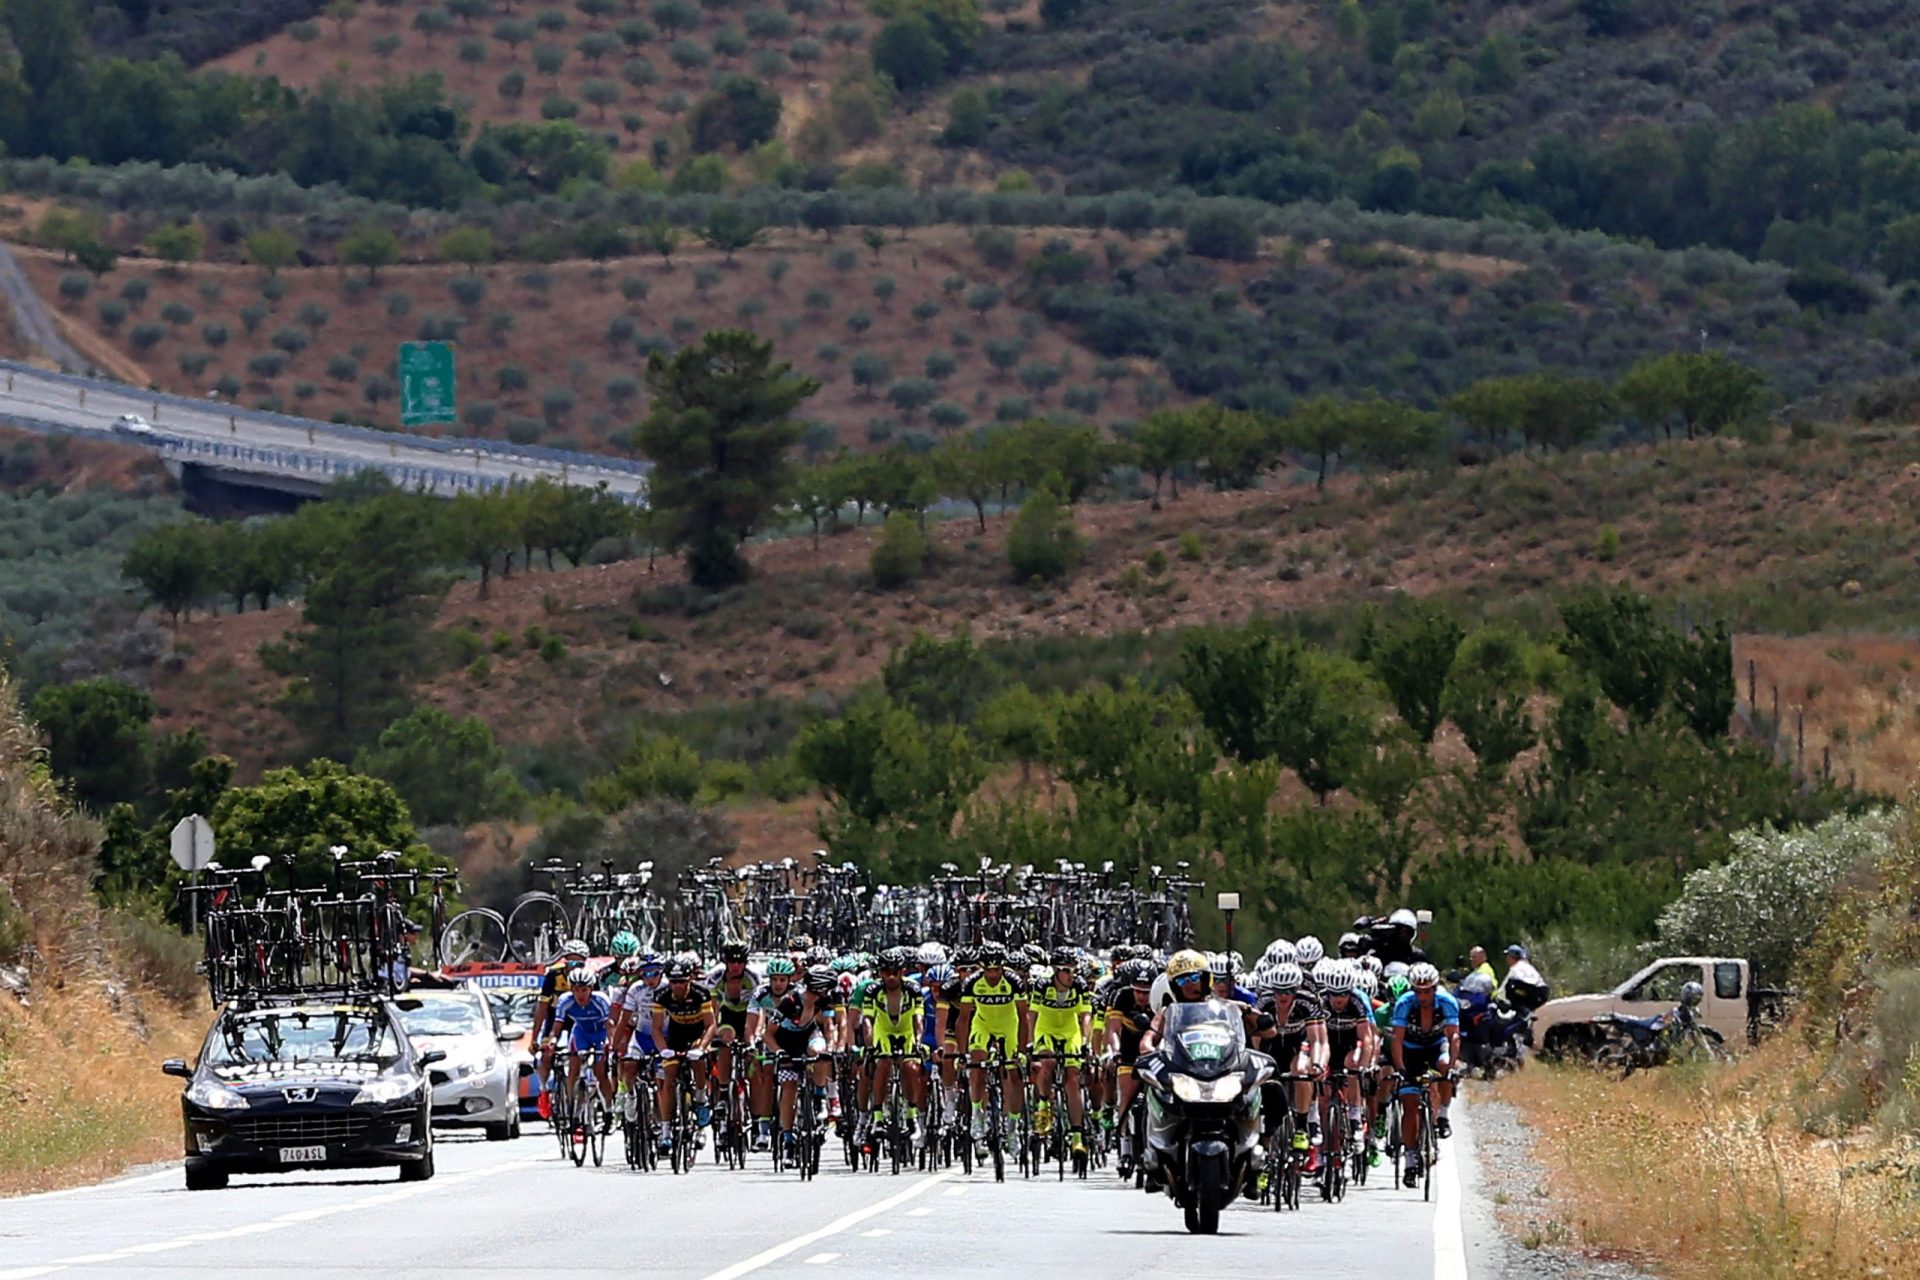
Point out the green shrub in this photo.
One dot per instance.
(900, 553)
(1043, 542)
(1191, 547)
(153, 953)
(1606, 544)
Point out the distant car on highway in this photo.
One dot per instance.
(132, 424)
(327, 1084)
(479, 1083)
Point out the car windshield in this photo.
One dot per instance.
(512, 1009)
(442, 1018)
(303, 1035)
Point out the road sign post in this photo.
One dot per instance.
(427, 386)
(191, 845)
(1228, 903)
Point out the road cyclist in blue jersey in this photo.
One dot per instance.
(1425, 1039)
(583, 1016)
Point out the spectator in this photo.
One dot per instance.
(1525, 988)
(1477, 963)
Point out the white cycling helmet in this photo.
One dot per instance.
(1398, 969)
(1371, 964)
(1323, 969)
(1404, 919)
(1279, 951)
(1285, 976)
(1366, 983)
(1336, 980)
(1308, 951)
(932, 953)
(1423, 975)
(575, 947)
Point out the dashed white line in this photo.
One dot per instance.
(1449, 1210)
(876, 1233)
(918, 1213)
(820, 1259)
(959, 1190)
(854, 1219)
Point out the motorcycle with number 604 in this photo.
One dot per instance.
(1203, 1109)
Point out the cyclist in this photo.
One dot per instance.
(1297, 1039)
(582, 1015)
(802, 1025)
(684, 1023)
(966, 963)
(993, 1007)
(890, 1013)
(1057, 1018)
(1225, 986)
(1352, 1042)
(733, 985)
(761, 1008)
(1426, 1038)
(1129, 1014)
(633, 1027)
(553, 985)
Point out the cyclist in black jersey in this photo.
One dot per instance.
(1298, 1042)
(1129, 1014)
(684, 1024)
(732, 986)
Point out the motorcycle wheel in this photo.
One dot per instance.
(1209, 1195)
(1615, 1061)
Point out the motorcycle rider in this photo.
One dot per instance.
(1191, 982)
(1394, 939)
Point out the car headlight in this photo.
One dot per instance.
(1188, 1089)
(387, 1089)
(215, 1096)
(479, 1068)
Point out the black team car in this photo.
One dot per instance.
(306, 1083)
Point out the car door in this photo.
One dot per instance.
(1658, 990)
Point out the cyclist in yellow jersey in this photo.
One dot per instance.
(893, 1010)
(993, 1006)
(1057, 1019)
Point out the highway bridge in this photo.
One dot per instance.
(208, 440)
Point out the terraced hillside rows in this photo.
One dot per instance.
(917, 338)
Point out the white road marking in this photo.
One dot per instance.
(876, 1233)
(958, 1190)
(820, 1259)
(835, 1227)
(1449, 1212)
(112, 1184)
(246, 1228)
(918, 1213)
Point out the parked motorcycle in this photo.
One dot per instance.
(1203, 1109)
(1493, 1033)
(1640, 1044)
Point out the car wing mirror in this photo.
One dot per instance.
(430, 1057)
(177, 1067)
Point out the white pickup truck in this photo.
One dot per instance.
(1732, 1006)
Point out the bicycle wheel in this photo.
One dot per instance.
(598, 1123)
(536, 924)
(475, 935)
(578, 1123)
(996, 1135)
(682, 1130)
(1429, 1149)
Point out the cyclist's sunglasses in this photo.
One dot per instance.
(1188, 979)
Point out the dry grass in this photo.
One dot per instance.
(1860, 696)
(1707, 1175)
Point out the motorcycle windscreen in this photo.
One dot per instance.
(1205, 1039)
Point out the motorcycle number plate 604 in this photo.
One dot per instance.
(302, 1155)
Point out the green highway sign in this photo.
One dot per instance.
(426, 383)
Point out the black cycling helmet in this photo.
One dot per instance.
(800, 942)
(1138, 973)
(680, 971)
(1065, 958)
(733, 953)
(994, 955)
(894, 960)
(966, 957)
(819, 954)
(822, 979)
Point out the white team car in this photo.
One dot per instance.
(132, 424)
(478, 1083)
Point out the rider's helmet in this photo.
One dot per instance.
(1183, 963)
(821, 980)
(849, 963)
(818, 954)
(689, 957)
(1064, 958)
(895, 960)
(1308, 952)
(580, 976)
(1087, 970)
(966, 957)
(779, 967)
(1396, 971)
(800, 942)
(994, 955)
(937, 975)
(575, 947)
(651, 960)
(733, 953)
(680, 971)
(1349, 944)
(1220, 966)
(1279, 951)
(1336, 980)
(1423, 975)
(1285, 976)
(1033, 954)
(1137, 973)
(630, 966)
(625, 943)
(1125, 951)
(1371, 964)
(1366, 984)
(1692, 994)
(1404, 919)
(1323, 969)
(932, 953)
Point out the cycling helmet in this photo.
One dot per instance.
(993, 955)
(1396, 970)
(1308, 951)
(1337, 980)
(822, 980)
(1371, 963)
(1286, 976)
(800, 942)
(845, 964)
(575, 947)
(733, 953)
(1034, 953)
(680, 971)
(1692, 994)
(966, 957)
(1280, 951)
(580, 976)
(1182, 963)
(779, 967)
(651, 960)
(1087, 970)
(932, 953)
(1404, 919)
(818, 954)
(624, 944)
(1397, 987)
(1137, 973)
(1349, 944)
(1323, 969)
(630, 966)
(1125, 951)
(1064, 958)
(895, 959)
(1423, 975)
(1220, 966)
(1366, 984)
(938, 975)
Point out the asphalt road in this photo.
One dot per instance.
(29, 394)
(516, 1208)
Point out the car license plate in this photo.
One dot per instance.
(302, 1155)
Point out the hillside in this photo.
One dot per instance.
(1787, 538)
